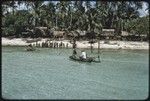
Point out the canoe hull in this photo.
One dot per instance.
(29, 49)
(81, 60)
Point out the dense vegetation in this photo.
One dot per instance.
(73, 15)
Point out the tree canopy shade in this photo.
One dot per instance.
(73, 15)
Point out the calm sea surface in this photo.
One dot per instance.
(50, 74)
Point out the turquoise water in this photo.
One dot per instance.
(50, 74)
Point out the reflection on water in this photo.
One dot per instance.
(50, 74)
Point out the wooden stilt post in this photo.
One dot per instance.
(91, 48)
(99, 49)
(91, 45)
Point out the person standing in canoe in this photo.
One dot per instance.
(83, 55)
(74, 44)
(74, 53)
(74, 48)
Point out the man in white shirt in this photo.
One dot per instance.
(83, 55)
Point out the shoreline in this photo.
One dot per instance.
(131, 45)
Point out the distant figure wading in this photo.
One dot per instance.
(74, 44)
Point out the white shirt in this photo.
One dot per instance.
(83, 55)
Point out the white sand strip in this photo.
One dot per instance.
(82, 44)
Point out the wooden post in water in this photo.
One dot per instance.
(99, 49)
(36, 43)
(74, 44)
(98, 46)
(91, 48)
(91, 45)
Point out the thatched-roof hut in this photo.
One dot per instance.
(58, 34)
(133, 36)
(81, 33)
(107, 34)
(28, 33)
(124, 33)
(43, 32)
(72, 34)
(33, 40)
(40, 31)
(91, 35)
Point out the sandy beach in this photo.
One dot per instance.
(80, 44)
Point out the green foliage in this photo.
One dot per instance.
(74, 15)
(8, 31)
(138, 26)
(142, 25)
(9, 20)
(14, 24)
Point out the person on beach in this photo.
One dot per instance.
(74, 48)
(83, 55)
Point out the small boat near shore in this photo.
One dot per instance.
(30, 49)
(89, 59)
(85, 59)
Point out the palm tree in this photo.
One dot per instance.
(47, 14)
(78, 14)
(13, 5)
(101, 14)
(36, 11)
(5, 7)
(62, 13)
(69, 15)
(124, 11)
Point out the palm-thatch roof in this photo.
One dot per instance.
(28, 32)
(81, 33)
(73, 34)
(91, 34)
(58, 33)
(143, 35)
(40, 30)
(124, 33)
(33, 40)
(108, 32)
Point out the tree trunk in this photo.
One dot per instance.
(56, 21)
(98, 46)
(71, 21)
(13, 7)
(99, 49)
(36, 20)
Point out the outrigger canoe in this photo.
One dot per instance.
(30, 49)
(89, 59)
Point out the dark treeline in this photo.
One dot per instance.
(73, 15)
